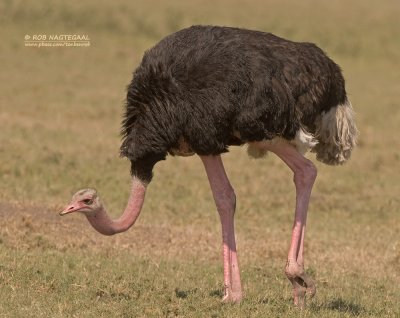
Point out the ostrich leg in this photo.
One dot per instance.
(304, 177)
(225, 200)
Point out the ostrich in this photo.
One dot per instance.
(205, 88)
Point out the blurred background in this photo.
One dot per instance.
(60, 114)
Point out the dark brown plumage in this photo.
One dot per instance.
(211, 87)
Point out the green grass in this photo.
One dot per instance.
(60, 113)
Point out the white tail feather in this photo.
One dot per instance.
(336, 134)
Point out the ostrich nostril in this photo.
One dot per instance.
(68, 209)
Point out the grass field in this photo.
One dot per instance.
(60, 113)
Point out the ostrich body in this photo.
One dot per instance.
(203, 89)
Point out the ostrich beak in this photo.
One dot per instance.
(73, 207)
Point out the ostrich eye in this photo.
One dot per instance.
(88, 201)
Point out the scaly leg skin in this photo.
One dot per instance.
(232, 285)
(304, 177)
(301, 282)
(225, 200)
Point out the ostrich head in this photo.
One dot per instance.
(85, 201)
(89, 204)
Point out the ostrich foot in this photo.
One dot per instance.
(232, 296)
(302, 283)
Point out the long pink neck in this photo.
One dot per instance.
(105, 225)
